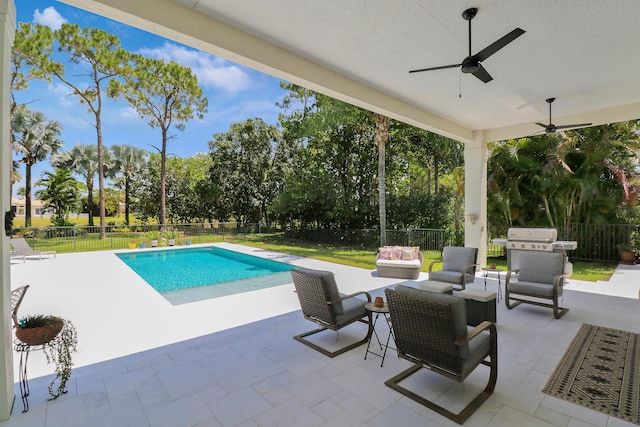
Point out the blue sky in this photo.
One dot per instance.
(235, 93)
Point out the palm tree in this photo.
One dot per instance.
(34, 138)
(60, 192)
(128, 161)
(382, 136)
(83, 160)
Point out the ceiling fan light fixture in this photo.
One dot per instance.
(470, 65)
(551, 128)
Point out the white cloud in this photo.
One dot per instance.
(63, 95)
(212, 72)
(128, 113)
(49, 17)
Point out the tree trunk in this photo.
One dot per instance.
(27, 188)
(429, 178)
(90, 200)
(163, 183)
(436, 173)
(381, 137)
(126, 199)
(103, 225)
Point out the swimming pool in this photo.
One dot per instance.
(193, 274)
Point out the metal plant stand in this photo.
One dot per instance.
(24, 350)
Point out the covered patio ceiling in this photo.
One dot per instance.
(582, 52)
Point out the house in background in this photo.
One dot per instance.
(38, 209)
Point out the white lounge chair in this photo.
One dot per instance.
(22, 249)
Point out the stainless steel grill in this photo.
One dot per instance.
(534, 239)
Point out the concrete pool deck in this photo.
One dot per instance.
(117, 313)
(255, 374)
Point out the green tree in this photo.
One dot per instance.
(60, 192)
(334, 162)
(98, 58)
(129, 161)
(34, 139)
(30, 43)
(166, 95)
(186, 179)
(113, 198)
(83, 160)
(581, 176)
(145, 190)
(382, 136)
(243, 160)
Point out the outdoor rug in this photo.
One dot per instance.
(600, 370)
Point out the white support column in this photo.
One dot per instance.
(475, 195)
(8, 24)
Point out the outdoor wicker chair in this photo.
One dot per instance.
(431, 331)
(540, 276)
(458, 266)
(322, 304)
(16, 299)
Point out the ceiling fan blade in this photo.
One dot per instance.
(435, 68)
(540, 124)
(577, 125)
(498, 44)
(482, 74)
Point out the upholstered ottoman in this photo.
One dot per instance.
(436, 287)
(481, 305)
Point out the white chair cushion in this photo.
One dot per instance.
(398, 263)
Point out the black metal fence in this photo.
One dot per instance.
(429, 240)
(86, 238)
(595, 242)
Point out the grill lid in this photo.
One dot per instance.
(532, 234)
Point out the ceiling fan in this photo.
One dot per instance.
(551, 128)
(472, 63)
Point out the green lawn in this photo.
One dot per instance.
(37, 221)
(589, 271)
(582, 270)
(363, 258)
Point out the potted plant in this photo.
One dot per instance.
(627, 252)
(171, 236)
(58, 338)
(39, 329)
(132, 244)
(153, 237)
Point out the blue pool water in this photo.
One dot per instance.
(186, 275)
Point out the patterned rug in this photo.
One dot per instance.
(600, 370)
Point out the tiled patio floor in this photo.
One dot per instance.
(144, 362)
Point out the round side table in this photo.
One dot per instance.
(384, 311)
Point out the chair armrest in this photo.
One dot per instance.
(556, 280)
(508, 277)
(486, 325)
(351, 296)
(464, 272)
(433, 263)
